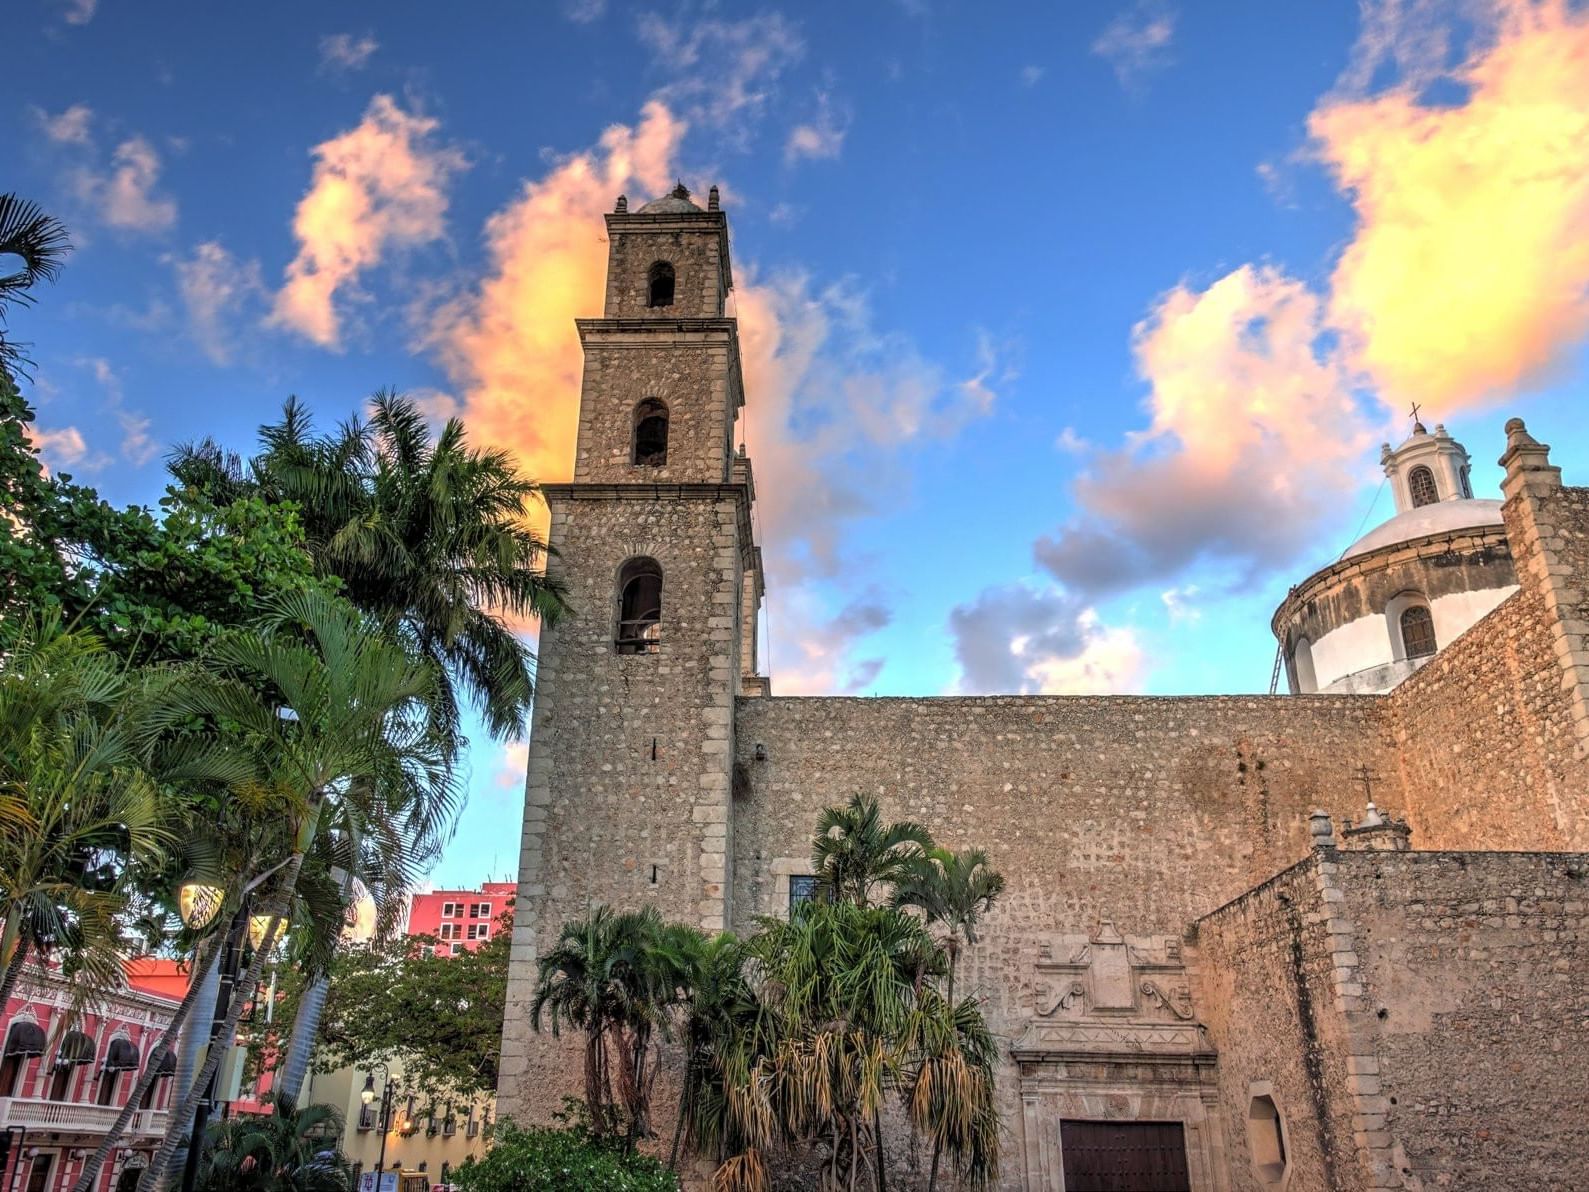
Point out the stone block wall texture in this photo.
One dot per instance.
(636, 242)
(627, 798)
(696, 373)
(1420, 1017)
(1490, 733)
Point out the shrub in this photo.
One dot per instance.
(565, 1160)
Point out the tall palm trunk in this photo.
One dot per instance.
(96, 1161)
(953, 947)
(305, 1028)
(244, 990)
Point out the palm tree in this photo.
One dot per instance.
(854, 851)
(319, 700)
(952, 890)
(77, 803)
(720, 1038)
(847, 1016)
(431, 538)
(288, 1150)
(40, 242)
(601, 978)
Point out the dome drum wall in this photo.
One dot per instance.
(1342, 622)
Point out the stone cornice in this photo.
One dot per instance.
(1430, 546)
(738, 493)
(629, 333)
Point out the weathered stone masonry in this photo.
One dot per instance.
(1172, 937)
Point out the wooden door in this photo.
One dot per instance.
(1124, 1156)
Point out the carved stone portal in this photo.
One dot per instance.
(1115, 1038)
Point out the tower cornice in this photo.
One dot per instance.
(739, 493)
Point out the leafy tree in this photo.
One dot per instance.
(854, 851)
(339, 703)
(288, 1150)
(953, 890)
(616, 977)
(39, 241)
(441, 1014)
(565, 1160)
(77, 803)
(850, 1017)
(432, 538)
(153, 588)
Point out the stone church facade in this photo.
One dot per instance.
(1199, 959)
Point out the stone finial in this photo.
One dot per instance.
(1372, 818)
(713, 201)
(1320, 828)
(681, 191)
(1385, 452)
(623, 204)
(1527, 460)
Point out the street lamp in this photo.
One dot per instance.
(384, 1121)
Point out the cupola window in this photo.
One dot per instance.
(1417, 631)
(1421, 485)
(639, 607)
(659, 285)
(651, 433)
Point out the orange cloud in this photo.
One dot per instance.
(1468, 275)
(510, 347)
(380, 185)
(126, 195)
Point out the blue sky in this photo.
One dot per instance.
(1071, 329)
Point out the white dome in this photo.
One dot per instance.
(1441, 517)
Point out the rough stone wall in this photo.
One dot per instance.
(695, 372)
(1263, 962)
(694, 244)
(1477, 961)
(627, 799)
(1490, 733)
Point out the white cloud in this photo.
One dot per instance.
(216, 287)
(1179, 604)
(584, 12)
(62, 448)
(722, 73)
(1031, 75)
(379, 186)
(1137, 42)
(80, 12)
(137, 445)
(71, 127)
(126, 195)
(821, 137)
(1022, 639)
(345, 51)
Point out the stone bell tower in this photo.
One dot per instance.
(628, 798)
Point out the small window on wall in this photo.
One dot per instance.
(651, 433)
(639, 607)
(1421, 486)
(1467, 484)
(802, 888)
(659, 285)
(1417, 631)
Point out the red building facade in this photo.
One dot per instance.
(461, 919)
(63, 1083)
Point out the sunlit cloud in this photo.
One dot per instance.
(380, 186)
(818, 657)
(70, 127)
(723, 74)
(822, 137)
(1468, 274)
(125, 195)
(79, 12)
(60, 448)
(584, 12)
(346, 52)
(217, 289)
(1137, 42)
(138, 447)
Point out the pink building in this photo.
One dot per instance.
(461, 919)
(60, 1088)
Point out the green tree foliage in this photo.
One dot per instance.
(855, 852)
(152, 588)
(442, 1015)
(36, 240)
(289, 1150)
(566, 1160)
(431, 537)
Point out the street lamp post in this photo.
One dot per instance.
(384, 1120)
